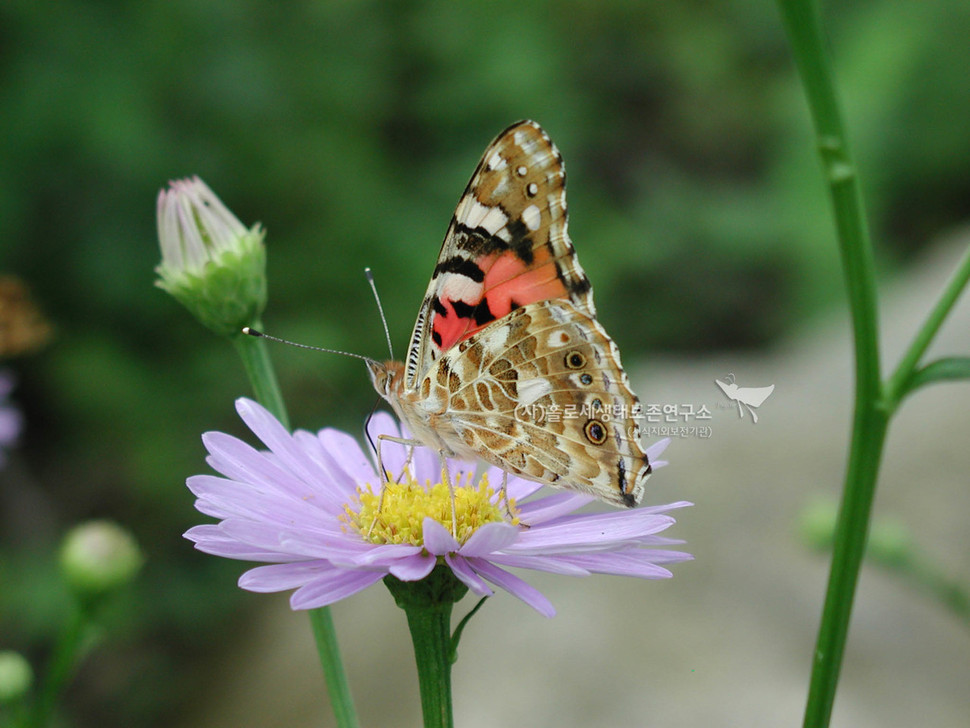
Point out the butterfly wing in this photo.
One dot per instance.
(506, 247)
(543, 395)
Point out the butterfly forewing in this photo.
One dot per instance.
(507, 246)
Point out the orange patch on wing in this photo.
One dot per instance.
(451, 327)
(507, 280)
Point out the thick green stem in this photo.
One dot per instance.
(262, 377)
(870, 418)
(431, 634)
(851, 531)
(428, 604)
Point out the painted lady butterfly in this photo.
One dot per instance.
(507, 362)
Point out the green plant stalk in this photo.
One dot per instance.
(925, 577)
(870, 417)
(431, 635)
(75, 641)
(896, 387)
(262, 376)
(259, 368)
(428, 604)
(328, 650)
(947, 592)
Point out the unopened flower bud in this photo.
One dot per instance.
(16, 676)
(210, 263)
(99, 556)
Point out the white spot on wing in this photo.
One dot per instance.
(474, 214)
(559, 314)
(457, 287)
(522, 171)
(532, 217)
(496, 162)
(471, 212)
(532, 389)
(555, 339)
(495, 339)
(461, 212)
(494, 220)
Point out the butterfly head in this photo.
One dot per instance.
(386, 376)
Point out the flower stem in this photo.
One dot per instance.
(328, 650)
(262, 377)
(870, 418)
(896, 387)
(74, 642)
(430, 632)
(428, 604)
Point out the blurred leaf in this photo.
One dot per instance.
(948, 369)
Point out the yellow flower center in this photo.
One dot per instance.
(400, 517)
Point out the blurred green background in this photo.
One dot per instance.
(349, 129)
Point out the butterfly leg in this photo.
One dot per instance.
(504, 494)
(504, 498)
(400, 441)
(407, 464)
(385, 476)
(446, 478)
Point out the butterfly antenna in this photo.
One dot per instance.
(249, 331)
(380, 310)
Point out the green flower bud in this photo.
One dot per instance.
(16, 677)
(210, 263)
(817, 524)
(99, 556)
(890, 543)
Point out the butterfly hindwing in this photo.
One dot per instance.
(544, 395)
(507, 246)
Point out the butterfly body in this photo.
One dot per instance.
(507, 362)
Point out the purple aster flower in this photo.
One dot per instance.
(311, 508)
(11, 421)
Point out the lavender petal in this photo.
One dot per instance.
(514, 586)
(332, 587)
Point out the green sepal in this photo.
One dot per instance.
(440, 587)
(229, 291)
